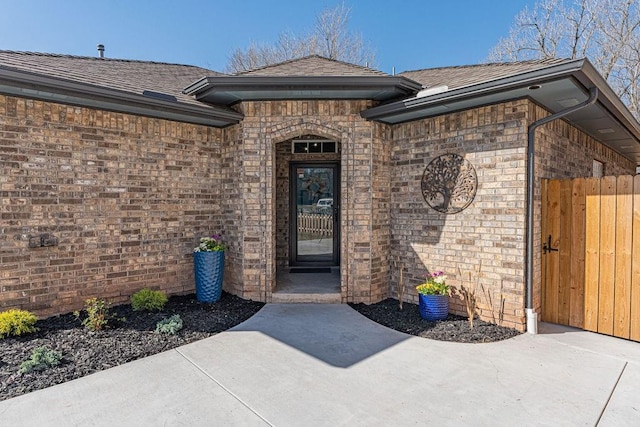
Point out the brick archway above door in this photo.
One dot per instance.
(290, 129)
(364, 170)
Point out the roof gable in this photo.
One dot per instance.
(311, 77)
(313, 65)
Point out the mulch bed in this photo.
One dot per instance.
(454, 328)
(85, 352)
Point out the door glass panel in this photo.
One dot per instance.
(314, 207)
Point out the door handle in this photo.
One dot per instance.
(546, 248)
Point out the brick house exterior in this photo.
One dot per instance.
(138, 160)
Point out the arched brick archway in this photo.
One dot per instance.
(364, 222)
(280, 136)
(291, 129)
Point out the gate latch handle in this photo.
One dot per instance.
(547, 246)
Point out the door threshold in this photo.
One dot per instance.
(323, 288)
(310, 270)
(284, 297)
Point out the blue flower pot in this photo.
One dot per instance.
(433, 307)
(209, 270)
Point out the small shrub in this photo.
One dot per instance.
(98, 314)
(146, 299)
(17, 322)
(170, 325)
(41, 358)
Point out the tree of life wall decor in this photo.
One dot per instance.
(449, 183)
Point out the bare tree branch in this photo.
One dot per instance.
(607, 32)
(330, 38)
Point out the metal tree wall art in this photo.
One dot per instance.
(449, 183)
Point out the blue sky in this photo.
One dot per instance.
(406, 34)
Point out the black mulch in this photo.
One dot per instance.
(454, 328)
(85, 352)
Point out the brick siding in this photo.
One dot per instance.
(491, 231)
(126, 196)
(489, 234)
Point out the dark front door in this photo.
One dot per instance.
(315, 214)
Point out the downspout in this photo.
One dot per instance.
(532, 317)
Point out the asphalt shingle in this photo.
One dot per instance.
(313, 65)
(119, 74)
(469, 75)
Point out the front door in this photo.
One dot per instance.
(315, 214)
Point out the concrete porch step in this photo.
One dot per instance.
(316, 287)
(297, 297)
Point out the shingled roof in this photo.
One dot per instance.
(468, 75)
(119, 74)
(313, 65)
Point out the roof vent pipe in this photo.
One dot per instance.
(532, 316)
(101, 50)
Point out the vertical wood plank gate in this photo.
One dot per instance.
(591, 254)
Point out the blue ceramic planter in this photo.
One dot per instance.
(433, 307)
(209, 270)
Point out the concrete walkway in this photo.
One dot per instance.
(325, 365)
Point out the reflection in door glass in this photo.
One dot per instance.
(314, 206)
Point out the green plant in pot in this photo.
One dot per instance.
(208, 263)
(433, 296)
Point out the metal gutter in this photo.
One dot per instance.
(532, 317)
(539, 76)
(287, 82)
(31, 85)
(197, 86)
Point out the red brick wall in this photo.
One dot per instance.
(126, 196)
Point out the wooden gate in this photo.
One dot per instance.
(591, 254)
